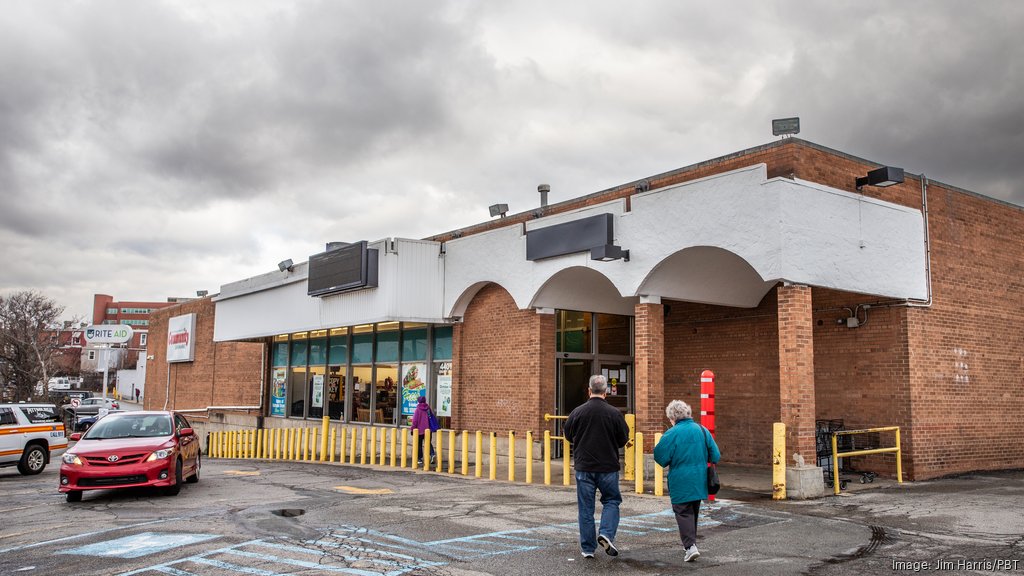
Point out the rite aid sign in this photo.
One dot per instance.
(112, 334)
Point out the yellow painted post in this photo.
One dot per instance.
(213, 445)
(547, 457)
(899, 458)
(222, 444)
(267, 442)
(323, 444)
(293, 434)
(261, 442)
(312, 445)
(373, 446)
(426, 450)
(270, 443)
(779, 461)
(511, 456)
(342, 439)
(227, 443)
(630, 456)
(334, 443)
(659, 472)
(440, 450)
(493, 462)
(529, 457)
(286, 442)
(405, 445)
(362, 445)
(277, 444)
(352, 447)
(567, 464)
(479, 467)
(415, 448)
(394, 432)
(250, 441)
(835, 465)
(240, 444)
(451, 451)
(231, 443)
(639, 469)
(465, 452)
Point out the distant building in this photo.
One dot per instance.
(105, 310)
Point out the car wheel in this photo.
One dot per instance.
(195, 476)
(74, 496)
(173, 490)
(33, 460)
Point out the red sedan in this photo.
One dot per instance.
(132, 449)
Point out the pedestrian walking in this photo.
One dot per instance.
(421, 421)
(685, 451)
(596, 431)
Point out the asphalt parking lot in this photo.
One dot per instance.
(295, 518)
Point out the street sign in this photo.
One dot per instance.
(75, 402)
(112, 334)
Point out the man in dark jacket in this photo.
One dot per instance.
(597, 430)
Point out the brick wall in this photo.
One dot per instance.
(223, 374)
(505, 365)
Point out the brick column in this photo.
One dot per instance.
(796, 371)
(649, 369)
(543, 356)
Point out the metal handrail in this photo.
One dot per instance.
(836, 454)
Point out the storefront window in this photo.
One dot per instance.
(386, 394)
(387, 342)
(573, 332)
(280, 354)
(442, 343)
(337, 358)
(414, 343)
(297, 383)
(317, 377)
(613, 335)
(362, 344)
(279, 379)
(362, 390)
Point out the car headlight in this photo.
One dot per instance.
(71, 459)
(159, 455)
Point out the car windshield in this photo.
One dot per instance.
(130, 426)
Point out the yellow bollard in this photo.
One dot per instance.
(277, 444)
(567, 464)
(451, 451)
(465, 453)
(426, 449)
(334, 443)
(493, 462)
(241, 444)
(547, 457)
(659, 472)
(479, 454)
(250, 444)
(343, 444)
(323, 443)
(290, 446)
(778, 461)
(415, 448)
(835, 466)
(362, 445)
(373, 446)
(353, 434)
(529, 457)
(405, 446)
(312, 445)
(394, 432)
(231, 443)
(630, 456)
(267, 439)
(383, 446)
(639, 469)
(511, 456)
(899, 459)
(227, 443)
(261, 442)
(440, 452)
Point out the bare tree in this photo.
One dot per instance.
(28, 322)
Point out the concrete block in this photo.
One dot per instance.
(804, 482)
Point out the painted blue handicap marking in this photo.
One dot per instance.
(139, 545)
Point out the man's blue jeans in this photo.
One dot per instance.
(587, 485)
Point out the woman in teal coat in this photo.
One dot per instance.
(685, 450)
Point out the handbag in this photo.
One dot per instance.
(713, 482)
(432, 422)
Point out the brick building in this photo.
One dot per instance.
(810, 298)
(105, 310)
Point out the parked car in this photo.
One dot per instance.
(30, 434)
(132, 449)
(90, 407)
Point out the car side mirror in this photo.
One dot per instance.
(186, 432)
(75, 437)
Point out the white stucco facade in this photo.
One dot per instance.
(725, 239)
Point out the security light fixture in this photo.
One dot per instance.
(498, 210)
(609, 252)
(881, 177)
(201, 293)
(286, 265)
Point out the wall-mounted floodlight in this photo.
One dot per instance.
(202, 293)
(881, 177)
(285, 265)
(498, 210)
(609, 252)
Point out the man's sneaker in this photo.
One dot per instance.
(609, 548)
(589, 555)
(691, 554)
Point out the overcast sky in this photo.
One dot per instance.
(151, 149)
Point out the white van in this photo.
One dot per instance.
(30, 435)
(59, 383)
